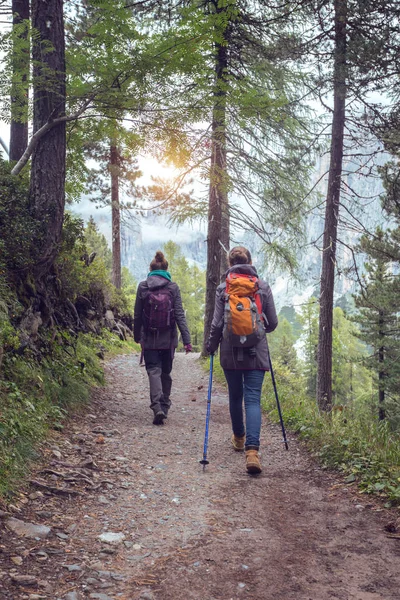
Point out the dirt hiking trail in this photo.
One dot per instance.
(173, 532)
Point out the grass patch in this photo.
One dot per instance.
(350, 440)
(218, 372)
(114, 346)
(36, 394)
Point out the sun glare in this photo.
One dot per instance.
(151, 167)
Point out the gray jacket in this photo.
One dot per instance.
(160, 340)
(242, 358)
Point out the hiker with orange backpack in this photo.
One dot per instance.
(244, 312)
(158, 310)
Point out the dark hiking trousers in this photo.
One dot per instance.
(159, 366)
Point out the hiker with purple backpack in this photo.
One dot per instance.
(158, 310)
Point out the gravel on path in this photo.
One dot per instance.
(132, 514)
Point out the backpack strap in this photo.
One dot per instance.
(258, 302)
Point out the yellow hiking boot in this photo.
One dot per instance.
(238, 442)
(253, 463)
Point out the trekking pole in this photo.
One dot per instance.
(205, 462)
(277, 403)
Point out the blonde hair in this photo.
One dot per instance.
(239, 255)
(159, 262)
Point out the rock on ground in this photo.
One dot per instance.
(29, 530)
(294, 533)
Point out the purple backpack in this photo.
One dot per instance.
(158, 311)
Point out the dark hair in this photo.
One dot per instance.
(239, 255)
(159, 262)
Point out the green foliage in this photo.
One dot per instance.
(106, 61)
(309, 319)
(289, 313)
(78, 276)
(36, 395)
(351, 439)
(77, 171)
(191, 281)
(9, 336)
(96, 242)
(281, 344)
(14, 74)
(378, 305)
(129, 286)
(17, 227)
(98, 148)
(74, 275)
(113, 346)
(351, 382)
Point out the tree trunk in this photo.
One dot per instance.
(324, 377)
(20, 85)
(218, 208)
(225, 234)
(47, 186)
(115, 217)
(220, 168)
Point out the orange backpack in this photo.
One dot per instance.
(243, 319)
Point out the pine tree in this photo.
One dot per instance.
(350, 379)
(309, 319)
(351, 63)
(258, 130)
(378, 305)
(281, 344)
(379, 298)
(112, 181)
(324, 377)
(97, 243)
(115, 214)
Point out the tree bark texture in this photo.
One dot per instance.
(218, 207)
(47, 186)
(20, 83)
(115, 217)
(219, 169)
(324, 376)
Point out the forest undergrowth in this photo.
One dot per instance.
(37, 396)
(54, 331)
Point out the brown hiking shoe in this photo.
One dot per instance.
(253, 464)
(238, 442)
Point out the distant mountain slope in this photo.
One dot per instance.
(143, 235)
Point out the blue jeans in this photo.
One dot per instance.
(247, 384)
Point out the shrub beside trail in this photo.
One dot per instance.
(54, 330)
